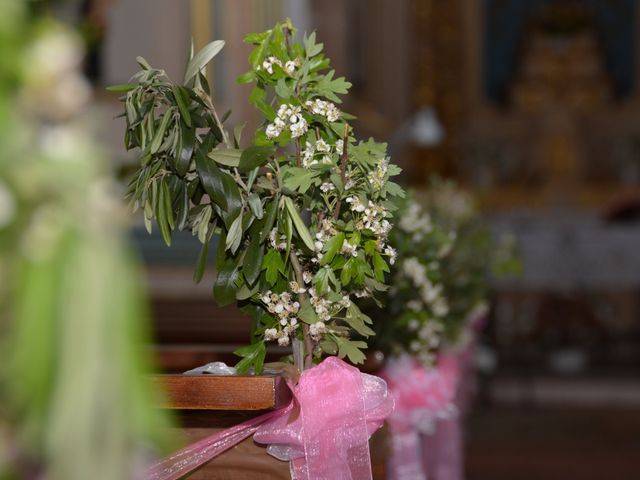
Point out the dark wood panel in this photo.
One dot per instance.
(190, 320)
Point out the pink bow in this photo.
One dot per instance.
(324, 431)
(422, 396)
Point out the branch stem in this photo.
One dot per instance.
(308, 341)
(209, 103)
(344, 158)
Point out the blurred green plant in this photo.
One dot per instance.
(73, 322)
(445, 256)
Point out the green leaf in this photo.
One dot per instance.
(329, 346)
(258, 97)
(272, 210)
(201, 263)
(245, 291)
(252, 355)
(328, 87)
(229, 157)
(220, 186)
(301, 228)
(321, 280)
(161, 214)
(379, 266)
(143, 63)
(202, 58)
(282, 90)
(182, 212)
(254, 156)
(393, 189)
(356, 320)
(159, 134)
(185, 149)
(351, 349)
(272, 264)
(224, 289)
(255, 204)
(333, 245)
(256, 38)
(166, 195)
(237, 134)
(246, 77)
(299, 179)
(182, 100)
(203, 226)
(235, 235)
(252, 265)
(122, 88)
(307, 313)
(256, 56)
(346, 273)
(311, 47)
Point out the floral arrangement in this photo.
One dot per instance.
(301, 216)
(440, 276)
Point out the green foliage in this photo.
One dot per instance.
(302, 213)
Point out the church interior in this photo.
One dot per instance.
(531, 106)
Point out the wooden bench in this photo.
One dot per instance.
(207, 404)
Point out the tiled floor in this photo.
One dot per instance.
(544, 443)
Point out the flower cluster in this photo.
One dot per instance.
(277, 240)
(288, 115)
(430, 294)
(324, 108)
(374, 218)
(416, 222)
(320, 152)
(378, 177)
(317, 330)
(325, 308)
(289, 66)
(285, 309)
(428, 337)
(325, 232)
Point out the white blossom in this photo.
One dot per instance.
(317, 329)
(298, 128)
(270, 334)
(378, 177)
(322, 146)
(324, 108)
(349, 249)
(327, 187)
(278, 242)
(391, 253)
(273, 131)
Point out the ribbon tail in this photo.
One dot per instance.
(405, 462)
(189, 458)
(443, 451)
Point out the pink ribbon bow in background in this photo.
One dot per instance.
(324, 432)
(422, 397)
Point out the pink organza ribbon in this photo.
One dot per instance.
(426, 433)
(422, 397)
(324, 432)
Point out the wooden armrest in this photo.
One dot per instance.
(209, 392)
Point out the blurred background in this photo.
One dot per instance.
(531, 105)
